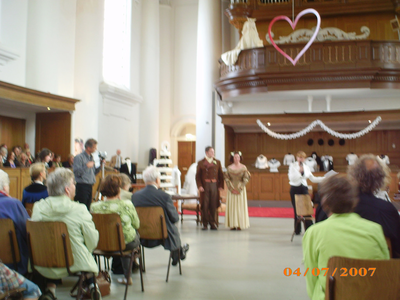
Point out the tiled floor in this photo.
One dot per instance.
(222, 264)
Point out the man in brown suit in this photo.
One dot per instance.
(210, 181)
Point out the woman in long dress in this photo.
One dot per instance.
(236, 178)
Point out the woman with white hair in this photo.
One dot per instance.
(60, 206)
(13, 209)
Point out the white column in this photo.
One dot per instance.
(310, 101)
(88, 70)
(208, 51)
(150, 81)
(51, 46)
(166, 77)
(328, 99)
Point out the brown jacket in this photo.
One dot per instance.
(207, 171)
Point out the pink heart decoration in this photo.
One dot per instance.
(293, 25)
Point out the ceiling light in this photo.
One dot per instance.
(269, 124)
(369, 121)
(48, 108)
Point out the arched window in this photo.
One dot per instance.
(117, 42)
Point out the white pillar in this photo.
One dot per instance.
(166, 78)
(328, 102)
(51, 46)
(208, 52)
(310, 101)
(150, 81)
(88, 69)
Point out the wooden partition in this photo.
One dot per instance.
(12, 131)
(19, 179)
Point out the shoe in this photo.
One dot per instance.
(95, 293)
(124, 282)
(239, 228)
(184, 250)
(48, 295)
(205, 228)
(233, 228)
(214, 228)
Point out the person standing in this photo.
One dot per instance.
(116, 161)
(210, 181)
(236, 178)
(298, 175)
(85, 173)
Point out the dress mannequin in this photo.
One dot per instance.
(274, 164)
(311, 163)
(288, 159)
(351, 158)
(261, 162)
(384, 158)
(327, 163)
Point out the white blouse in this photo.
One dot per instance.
(295, 177)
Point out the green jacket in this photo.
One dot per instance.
(346, 235)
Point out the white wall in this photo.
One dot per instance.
(13, 32)
(51, 46)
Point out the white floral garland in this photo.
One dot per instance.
(324, 127)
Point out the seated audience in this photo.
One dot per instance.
(344, 233)
(152, 196)
(17, 151)
(69, 163)
(3, 155)
(11, 161)
(13, 209)
(57, 161)
(125, 186)
(60, 206)
(44, 156)
(11, 280)
(110, 188)
(24, 161)
(370, 177)
(30, 157)
(37, 190)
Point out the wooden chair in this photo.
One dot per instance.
(112, 243)
(9, 250)
(29, 208)
(362, 279)
(154, 227)
(189, 206)
(50, 247)
(304, 210)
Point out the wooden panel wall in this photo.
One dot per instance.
(53, 131)
(12, 131)
(19, 179)
(376, 142)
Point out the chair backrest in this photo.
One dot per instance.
(362, 279)
(111, 237)
(9, 250)
(389, 243)
(303, 205)
(152, 223)
(49, 244)
(29, 208)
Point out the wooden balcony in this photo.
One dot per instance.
(326, 65)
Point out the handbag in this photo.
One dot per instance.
(103, 280)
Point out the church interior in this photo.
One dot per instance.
(164, 79)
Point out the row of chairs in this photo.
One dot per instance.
(49, 243)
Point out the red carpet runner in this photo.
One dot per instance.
(262, 212)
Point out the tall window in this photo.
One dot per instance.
(117, 42)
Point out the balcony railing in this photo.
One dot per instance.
(340, 64)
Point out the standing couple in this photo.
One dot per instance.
(210, 182)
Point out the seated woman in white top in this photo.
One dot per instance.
(298, 175)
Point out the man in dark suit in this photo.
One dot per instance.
(129, 169)
(370, 176)
(210, 181)
(152, 196)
